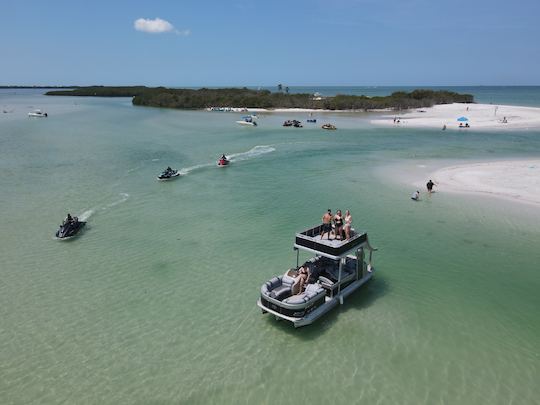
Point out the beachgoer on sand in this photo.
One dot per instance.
(429, 186)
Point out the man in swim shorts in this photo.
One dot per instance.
(429, 186)
(326, 224)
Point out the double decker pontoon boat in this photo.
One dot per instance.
(338, 268)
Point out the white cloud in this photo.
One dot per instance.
(157, 26)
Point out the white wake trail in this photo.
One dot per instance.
(252, 153)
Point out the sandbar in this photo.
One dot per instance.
(516, 180)
(479, 116)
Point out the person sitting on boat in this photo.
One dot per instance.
(326, 223)
(338, 222)
(68, 219)
(301, 280)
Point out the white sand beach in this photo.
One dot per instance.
(480, 116)
(517, 180)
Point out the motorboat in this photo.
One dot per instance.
(337, 269)
(168, 174)
(223, 161)
(38, 114)
(329, 127)
(248, 120)
(293, 123)
(69, 228)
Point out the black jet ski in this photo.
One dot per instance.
(168, 174)
(70, 228)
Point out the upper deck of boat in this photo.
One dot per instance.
(310, 239)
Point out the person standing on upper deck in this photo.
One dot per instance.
(326, 224)
(338, 222)
(348, 224)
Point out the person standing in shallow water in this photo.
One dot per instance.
(326, 224)
(429, 186)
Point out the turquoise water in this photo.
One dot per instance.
(155, 302)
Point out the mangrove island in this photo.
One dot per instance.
(248, 98)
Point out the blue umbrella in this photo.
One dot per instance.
(463, 119)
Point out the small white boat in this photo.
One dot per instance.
(249, 123)
(37, 113)
(248, 120)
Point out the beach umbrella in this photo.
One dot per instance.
(463, 119)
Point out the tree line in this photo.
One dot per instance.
(244, 97)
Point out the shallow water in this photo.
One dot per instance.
(155, 301)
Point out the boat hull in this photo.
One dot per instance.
(172, 177)
(314, 311)
(70, 232)
(250, 124)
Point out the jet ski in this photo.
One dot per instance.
(168, 174)
(222, 162)
(70, 228)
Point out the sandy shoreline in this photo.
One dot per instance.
(517, 180)
(297, 110)
(480, 116)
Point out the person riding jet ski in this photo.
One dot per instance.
(70, 227)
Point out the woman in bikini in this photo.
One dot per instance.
(338, 222)
(303, 277)
(348, 224)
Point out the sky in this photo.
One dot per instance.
(262, 43)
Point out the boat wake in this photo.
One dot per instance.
(85, 215)
(88, 213)
(234, 157)
(124, 198)
(252, 153)
(187, 170)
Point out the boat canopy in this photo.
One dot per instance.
(310, 240)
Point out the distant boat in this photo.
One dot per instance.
(223, 161)
(329, 126)
(168, 174)
(293, 123)
(248, 120)
(37, 113)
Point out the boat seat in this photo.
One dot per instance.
(326, 282)
(278, 287)
(312, 291)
